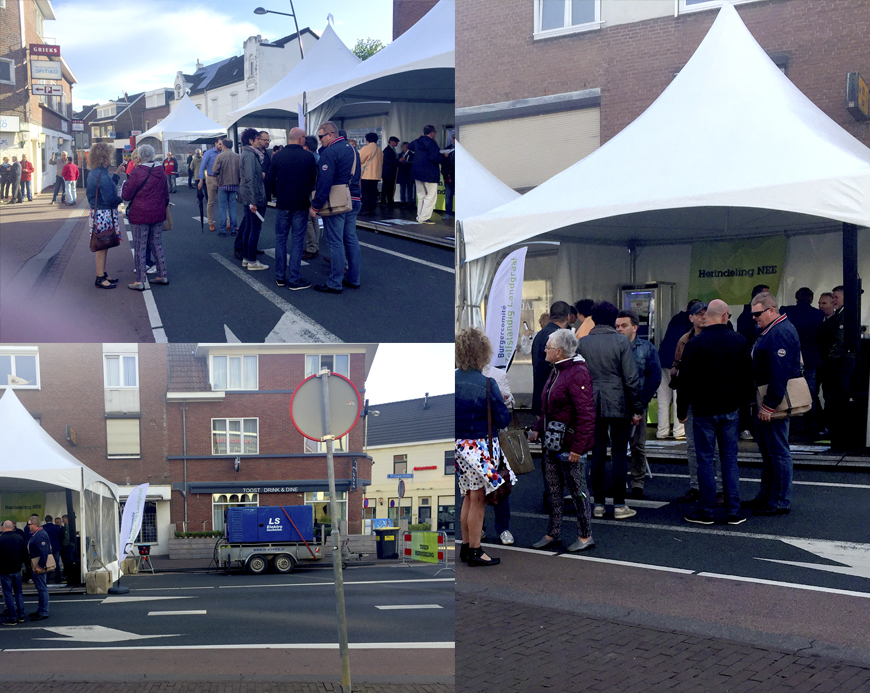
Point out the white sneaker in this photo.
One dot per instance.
(152, 269)
(257, 265)
(244, 263)
(746, 435)
(507, 538)
(598, 511)
(623, 512)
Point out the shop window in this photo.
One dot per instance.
(221, 501)
(397, 512)
(122, 438)
(235, 436)
(234, 372)
(320, 501)
(560, 17)
(400, 464)
(19, 368)
(447, 514)
(449, 462)
(148, 532)
(424, 511)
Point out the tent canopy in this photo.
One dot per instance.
(186, 121)
(731, 148)
(481, 190)
(31, 460)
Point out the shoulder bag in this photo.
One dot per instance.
(339, 201)
(103, 225)
(504, 490)
(797, 399)
(515, 447)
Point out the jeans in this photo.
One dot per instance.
(619, 429)
(26, 190)
(406, 191)
(340, 231)
(59, 188)
(776, 462)
(692, 456)
(172, 178)
(42, 591)
(70, 191)
(294, 223)
(58, 571)
(251, 235)
(448, 198)
(12, 594)
(708, 430)
(227, 205)
(369, 189)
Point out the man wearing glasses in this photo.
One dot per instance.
(39, 547)
(776, 358)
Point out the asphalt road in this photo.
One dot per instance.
(212, 298)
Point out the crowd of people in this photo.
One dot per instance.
(594, 379)
(39, 553)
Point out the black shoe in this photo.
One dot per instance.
(737, 518)
(37, 617)
(21, 619)
(545, 544)
(754, 504)
(261, 252)
(345, 282)
(698, 518)
(463, 552)
(693, 495)
(298, 286)
(10, 622)
(720, 498)
(238, 255)
(770, 510)
(324, 289)
(474, 558)
(310, 256)
(637, 492)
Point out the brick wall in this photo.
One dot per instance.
(13, 98)
(406, 13)
(633, 63)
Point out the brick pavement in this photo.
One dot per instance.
(540, 649)
(220, 687)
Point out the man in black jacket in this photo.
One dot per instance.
(39, 547)
(54, 533)
(667, 396)
(291, 177)
(389, 172)
(427, 173)
(13, 556)
(715, 380)
(807, 320)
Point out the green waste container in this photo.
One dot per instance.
(387, 542)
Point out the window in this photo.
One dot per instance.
(234, 437)
(446, 514)
(320, 501)
(221, 501)
(106, 111)
(424, 511)
(697, 5)
(95, 131)
(400, 464)
(121, 370)
(339, 445)
(19, 369)
(560, 17)
(146, 126)
(122, 438)
(234, 372)
(7, 71)
(449, 462)
(398, 512)
(40, 29)
(148, 533)
(338, 363)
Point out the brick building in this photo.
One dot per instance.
(36, 125)
(406, 13)
(179, 417)
(555, 86)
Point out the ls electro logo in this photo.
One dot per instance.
(274, 524)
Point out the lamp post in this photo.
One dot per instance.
(292, 13)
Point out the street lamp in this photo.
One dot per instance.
(292, 13)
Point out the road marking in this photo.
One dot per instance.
(94, 634)
(518, 549)
(271, 253)
(856, 560)
(410, 606)
(177, 613)
(257, 646)
(130, 600)
(324, 584)
(647, 566)
(794, 585)
(795, 483)
(231, 338)
(297, 327)
(635, 502)
(451, 270)
(167, 589)
(154, 318)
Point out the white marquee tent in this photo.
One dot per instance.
(185, 121)
(731, 149)
(32, 461)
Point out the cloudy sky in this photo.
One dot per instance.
(408, 371)
(139, 45)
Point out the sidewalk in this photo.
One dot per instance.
(47, 279)
(546, 649)
(227, 687)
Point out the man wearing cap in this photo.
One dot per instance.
(715, 379)
(776, 358)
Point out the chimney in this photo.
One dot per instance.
(426, 401)
(199, 65)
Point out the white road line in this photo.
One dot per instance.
(795, 483)
(264, 646)
(177, 613)
(150, 305)
(518, 549)
(794, 585)
(305, 329)
(346, 584)
(271, 253)
(167, 589)
(647, 566)
(698, 530)
(410, 606)
(409, 257)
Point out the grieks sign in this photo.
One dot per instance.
(43, 49)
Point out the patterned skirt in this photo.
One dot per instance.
(474, 467)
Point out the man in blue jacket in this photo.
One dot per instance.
(39, 547)
(650, 373)
(54, 534)
(427, 173)
(339, 165)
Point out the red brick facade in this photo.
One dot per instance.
(406, 13)
(633, 63)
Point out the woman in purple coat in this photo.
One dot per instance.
(147, 190)
(567, 426)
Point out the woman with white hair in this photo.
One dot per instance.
(567, 426)
(147, 193)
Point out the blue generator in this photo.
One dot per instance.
(272, 525)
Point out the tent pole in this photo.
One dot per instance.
(460, 267)
(852, 312)
(71, 516)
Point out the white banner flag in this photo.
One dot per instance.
(503, 306)
(131, 521)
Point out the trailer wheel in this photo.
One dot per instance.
(256, 565)
(284, 563)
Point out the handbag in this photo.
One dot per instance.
(49, 565)
(515, 447)
(554, 436)
(339, 201)
(167, 224)
(103, 225)
(797, 400)
(504, 490)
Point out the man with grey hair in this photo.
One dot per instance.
(15, 177)
(13, 557)
(226, 170)
(776, 358)
(39, 547)
(59, 183)
(715, 380)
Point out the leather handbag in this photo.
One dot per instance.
(167, 224)
(797, 399)
(502, 491)
(49, 565)
(103, 225)
(515, 447)
(339, 201)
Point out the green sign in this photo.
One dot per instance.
(424, 546)
(20, 506)
(728, 270)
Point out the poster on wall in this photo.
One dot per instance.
(20, 506)
(729, 269)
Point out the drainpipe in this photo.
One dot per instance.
(184, 442)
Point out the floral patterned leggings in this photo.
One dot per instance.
(143, 236)
(557, 474)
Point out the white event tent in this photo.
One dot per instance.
(32, 461)
(731, 149)
(186, 122)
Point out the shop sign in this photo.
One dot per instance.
(46, 89)
(43, 49)
(271, 489)
(45, 69)
(10, 123)
(78, 126)
(857, 96)
(423, 469)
